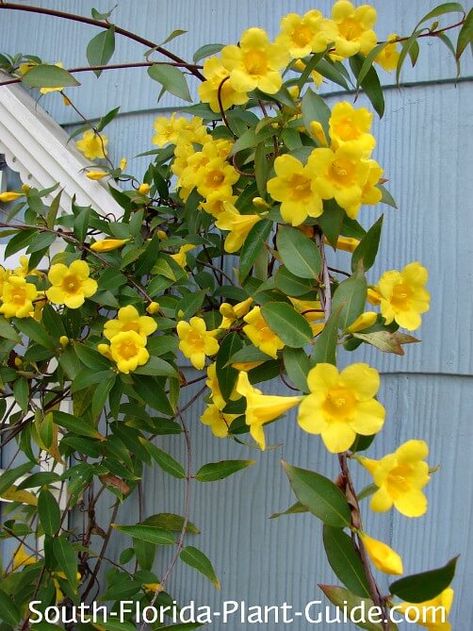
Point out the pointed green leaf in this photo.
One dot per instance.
(49, 512)
(66, 558)
(48, 76)
(214, 471)
(151, 534)
(366, 251)
(197, 559)
(325, 347)
(298, 253)
(350, 298)
(254, 243)
(295, 509)
(9, 612)
(101, 48)
(172, 79)
(287, 323)
(345, 560)
(424, 586)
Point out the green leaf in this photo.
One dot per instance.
(197, 559)
(386, 341)
(108, 118)
(315, 59)
(214, 471)
(206, 51)
(35, 331)
(406, 48)
(176, 33)
(166, 461)
(7, 332)
(334, 71)
(297, 366)
(66, 558)
(9, 612)
(314, 108)
(49, 512)
(465, 36)
(75, 425)
(331, 221)
(151, 391)
(441, 9)
(48, 76)
(226, 375)
(101, 48)
(21, 392)
(254, 243)
(287, 323)
(19, 242)
(366, 251)
(350, 298)
(345, 560)
(157, 367)
(172, 79)
(424, 586)
(151, 534)
(298, 253)
(325, 347)
(171, 522)
(8, 478)
(262, 166)
(295, 509)
(248, 354)
(368, 62)
(321, 496)
(81, 224)
(290, 284)
(386, 198)
(346, 601)
(370, 84)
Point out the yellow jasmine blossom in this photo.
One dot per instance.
(217, 420)
(259, 333)
(318, 133)
(22, 557)
(347, 124)
(181, 256)
(363, 321)
(167, 129)
(144, 188)
(127, 349)
(10, 196)
(262, 408)
(214, 203)
(384, 558)
(123, 164)
(247, 366)
(303, 34)
(340, 405)
(93, 145)
(128, 319)
(238, 225)
(370, 193)
(348, 244)
(294, 187)
(355, 28)
(255, 63)
(388, 58)
(24, 268)
(403, 296)
(196, 342)
(108, 245)
(312, 312)
(152, 308)
(18, 297)
(70, 285)
(217, 78)
(230, 313)
(400, 476)
(431, 614)
(340, 174)
(153, 587)
(96, 175)
(217, 176)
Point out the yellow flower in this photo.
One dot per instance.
(318, 133)
(317, 78)
(370, 193)
(144, 188)
(373, 296)
(181, 256)
(348, 124)
(294, 187)
(217, 176)
(196, 342)
(10, 196)
(96, 175)
(340, 405)
(123, 164)
(238, 225)
(388, 58)
(312, 312)
(348, 244)
(70, 285)
(259, 333)
(107, 245)
(22, 557)
(262, 408)
(217, 75)
(127, 349)
(355, 28)
(340, 174)
(431, 614)
(179, 129)
(305, 34)
(255, 63)
(93, 145)
(384, 558)
(403, 296)
(153, 308)
(129, 319)
(230, 313)
(217, 420)
(214, 203)
(363, 321)
(64, 341)
(18, 297)
(400, 476)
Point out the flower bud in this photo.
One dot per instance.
(107, 245)
(63, 341)
(9, 196)
(144, 189)
(260, 203)
(152, 308)
(384, 558)
(96, 175)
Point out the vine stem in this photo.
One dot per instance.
(73, 17)
(326, 291)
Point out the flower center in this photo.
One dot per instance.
(215, 178)
(18, 296)
(196, 341)
(70, 284)
(302, 35)
(256, 62)
(398, 480)
(340, 403)
(300, 187)
(342, 171)
(401, 296)
(128, 349)
(350, 29)
(347, 130)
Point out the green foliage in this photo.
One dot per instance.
(424, 586)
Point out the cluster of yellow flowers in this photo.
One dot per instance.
(258, 63)
(128, 336)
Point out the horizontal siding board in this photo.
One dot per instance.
(208, 21)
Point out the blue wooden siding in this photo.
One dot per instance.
(424, 144)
